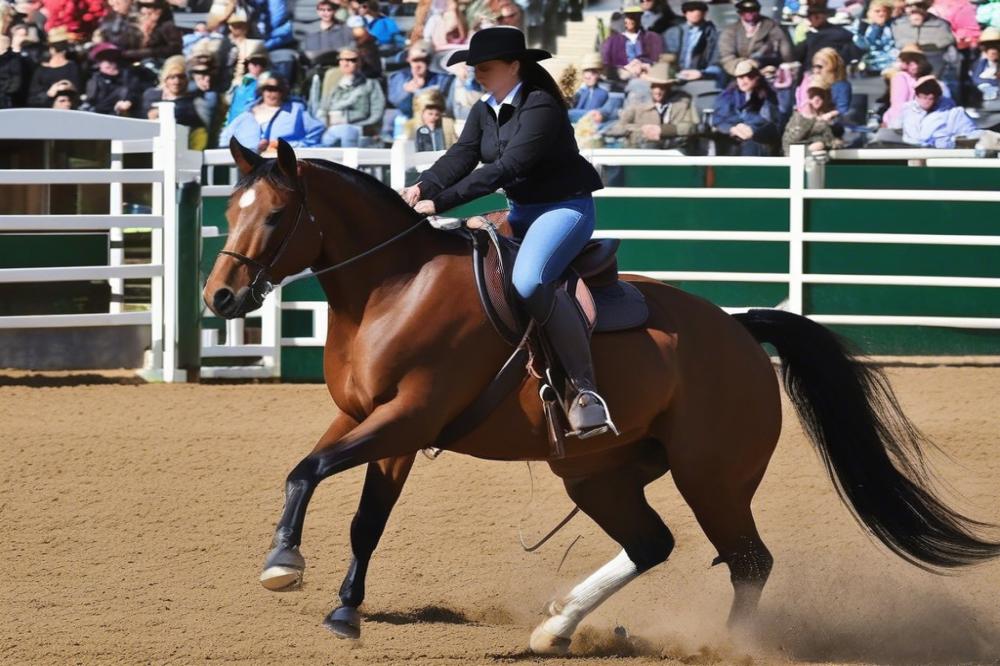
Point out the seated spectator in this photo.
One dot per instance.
(667, 121)
(658, 16)
(330, 35)
(828, 72)
(988, 14)
(464, 92)
(243, 94)
(823, 34)
(447, 31)
(935, 121)
(14, 74)
(367, 46)
(207, 98)
(591, 96)
(913, 65)
(382, 27)
(961, 16)
(631, 52)
(66, 99)
(32, 13)
(59, 73)
(510, 15)
(918, 26)
(753, 37)
(271, 21)
(429, 127)
(273, 117)
(119, 26)
(813, 123)
(160, 37)
(746, 115)
(80, 18)
(986, 71)
(404, 84)
(354, 107)
(112, 89)
(174, 88)
(695, 43)
(875, 39)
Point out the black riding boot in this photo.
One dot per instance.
(567, 335)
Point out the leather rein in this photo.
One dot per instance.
(260, 288)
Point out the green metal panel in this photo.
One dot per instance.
(867, 176)
(921, 341)
(302, 364)
(37, 250)
(697, 176)
(703, 214)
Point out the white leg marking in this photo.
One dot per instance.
(590, 594)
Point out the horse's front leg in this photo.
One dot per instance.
(284, 565)
(383, 483)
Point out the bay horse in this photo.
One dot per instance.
(692, 392)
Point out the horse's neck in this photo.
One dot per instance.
(353, 224)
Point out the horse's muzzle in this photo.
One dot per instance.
(229, 305)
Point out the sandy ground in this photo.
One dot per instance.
(135, 519)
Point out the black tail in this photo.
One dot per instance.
(871, 450)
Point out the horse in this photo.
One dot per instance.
(692, 392)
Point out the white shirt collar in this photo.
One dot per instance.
(509, 99)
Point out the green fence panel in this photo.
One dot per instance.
(702, 214)
(911, 217)
(897, 176)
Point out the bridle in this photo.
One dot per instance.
(261, 285)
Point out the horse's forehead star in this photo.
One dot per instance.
(248, 197)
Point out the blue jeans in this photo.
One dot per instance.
(552, 235)
(344, 136)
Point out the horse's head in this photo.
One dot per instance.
(272, 233)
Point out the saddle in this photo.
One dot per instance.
(607, 304)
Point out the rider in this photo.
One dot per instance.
(521, 133)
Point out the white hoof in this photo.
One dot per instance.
(279, 578)
(544, 642)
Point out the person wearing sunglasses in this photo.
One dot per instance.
(274, 116)
(354, 107)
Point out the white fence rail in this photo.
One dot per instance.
(160, 138)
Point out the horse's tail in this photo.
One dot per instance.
(870, 449)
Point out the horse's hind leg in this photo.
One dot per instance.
(384, 482)
(723, 511)
(615, 501)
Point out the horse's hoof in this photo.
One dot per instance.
(344, 622)
(544, 642)
(281, 579)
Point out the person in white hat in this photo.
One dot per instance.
(591, 96)
(667, 121)
(746, 117)
(986, 71)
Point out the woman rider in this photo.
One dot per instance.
(521, 133)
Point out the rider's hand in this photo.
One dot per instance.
(425, 207)
(411, 195)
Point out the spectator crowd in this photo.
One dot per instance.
(659, 79)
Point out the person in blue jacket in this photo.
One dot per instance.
(382, 28)
(272, 22)
(591, 96)
(746, 116)
(273, 117)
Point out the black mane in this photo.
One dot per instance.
(368, 185)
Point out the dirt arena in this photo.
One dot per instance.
(135, 519)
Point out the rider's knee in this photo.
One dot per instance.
(535, 295)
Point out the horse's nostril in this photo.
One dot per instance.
(223, 300)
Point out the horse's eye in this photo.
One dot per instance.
(273, 218)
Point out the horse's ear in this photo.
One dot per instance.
(246, 159)
(287, 162)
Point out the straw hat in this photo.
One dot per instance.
(660, 74)
(592, 61)
(744, 67)
(990, 36)
(238, 16)
(633, 8)
(58, 34)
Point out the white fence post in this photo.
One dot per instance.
(796, 226)
(399, 158)
(166, 154)
(116, 239)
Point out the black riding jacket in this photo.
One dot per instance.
(531, 153)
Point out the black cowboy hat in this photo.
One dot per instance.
(495, 43)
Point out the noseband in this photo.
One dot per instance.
(262, 284)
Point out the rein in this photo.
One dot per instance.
(259, 289)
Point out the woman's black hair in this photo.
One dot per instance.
(929, 87)
(60, 47)
(535, 77)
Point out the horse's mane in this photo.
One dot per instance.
(369, 186)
